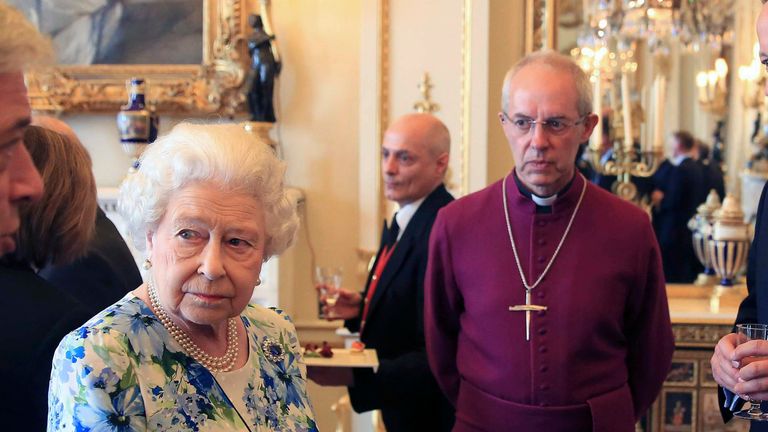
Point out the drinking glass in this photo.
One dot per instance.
(745, 333)
(320, 279)
(328, 279)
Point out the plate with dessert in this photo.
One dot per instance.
(356, 356)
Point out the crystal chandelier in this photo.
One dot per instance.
(605, 51)
(694, 23)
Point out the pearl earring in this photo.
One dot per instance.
(147, 264)
(258, 282)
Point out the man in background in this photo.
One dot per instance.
(679, 188)
(19, 180)
(389, 312)
(34, 315)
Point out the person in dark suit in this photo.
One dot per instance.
(711, 171)
(389, 312)
(735, 369)
(743, 370)
(676, 195)
(34, 313)
(52, 231)
(104, 275)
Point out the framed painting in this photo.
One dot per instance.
(684, 372)
(709, 415)
(192, 53)
(678, 410)
(706, 379)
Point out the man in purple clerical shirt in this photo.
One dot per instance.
(545, 301)
(743, 370)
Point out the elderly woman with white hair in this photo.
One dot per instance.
(185, 350)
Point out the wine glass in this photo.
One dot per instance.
(321, 277)
(333, 284)
(328, 281)
(745, 333)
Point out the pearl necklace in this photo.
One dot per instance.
(224, 363)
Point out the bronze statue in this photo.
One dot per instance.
(265, 67)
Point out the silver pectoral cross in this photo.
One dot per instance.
(527, 308)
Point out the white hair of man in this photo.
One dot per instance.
(21, 45)
(221, 154)
(554, 60)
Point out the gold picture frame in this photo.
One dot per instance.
(211, 87)
(683, 372)
(678, 410)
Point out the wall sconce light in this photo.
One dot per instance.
(712, 87)
(753, 80)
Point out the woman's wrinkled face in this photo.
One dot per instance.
(207, 253)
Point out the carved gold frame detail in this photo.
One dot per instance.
(211, 87)
(540, 21)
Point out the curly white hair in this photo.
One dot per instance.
(221, 154)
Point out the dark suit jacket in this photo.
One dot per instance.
(713, 179)
(403, 387)
(754, 308)
(682, 186)
(104, 275)
(35, 317)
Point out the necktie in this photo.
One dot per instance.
(394, 229)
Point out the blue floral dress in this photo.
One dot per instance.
(122, 371)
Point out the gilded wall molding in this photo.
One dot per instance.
(384, 31)
(213, 86)
(698, 335)
(466, 94)
(540, 21)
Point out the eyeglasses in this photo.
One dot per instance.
(555, 127)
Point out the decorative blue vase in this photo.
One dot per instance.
(136, 124)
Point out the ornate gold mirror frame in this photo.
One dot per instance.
(211, 87)
(540, 21)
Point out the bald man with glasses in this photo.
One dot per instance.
(545, 302)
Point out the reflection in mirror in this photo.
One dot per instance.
(639, 52)
(663, 71)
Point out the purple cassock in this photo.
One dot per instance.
(597, 356)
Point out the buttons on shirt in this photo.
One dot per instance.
(541, 223)
(542, 331)
(541, 242)
(544, 387)
(543, 349)
(540, 259)
(543, 368)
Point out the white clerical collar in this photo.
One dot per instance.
(543, 201)
(405, 214)
(677, 160)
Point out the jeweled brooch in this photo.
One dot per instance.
(273, 350)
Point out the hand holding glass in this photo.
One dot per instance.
(746, 333)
